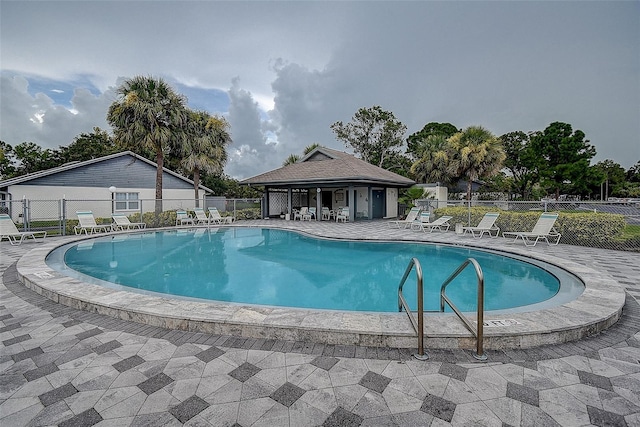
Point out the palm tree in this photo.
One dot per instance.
(474, 153)
(293, 158)
(434, 163)
(149, 116)
(310, 148)
(204, 148)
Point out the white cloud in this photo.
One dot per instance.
(304, 65)
(27, 118)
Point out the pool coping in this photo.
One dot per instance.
(599, 307)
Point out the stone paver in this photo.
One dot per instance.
(62, 366)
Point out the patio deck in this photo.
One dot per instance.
(61, 365)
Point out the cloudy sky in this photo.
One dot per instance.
(283, 72)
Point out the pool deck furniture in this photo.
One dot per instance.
(343, 214)
(311, 214)
(87, 224)
(405, 223)
(543, 230)
(420, 221)
(201, 217)
(9, 231)
(326, 213)
(182, 218)
(486, 225)
(440, 224)
(122, 222)
(216, 218)
(299, 214)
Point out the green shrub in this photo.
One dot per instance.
(577, 228)
(249, 213)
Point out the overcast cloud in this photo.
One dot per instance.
(283, 72)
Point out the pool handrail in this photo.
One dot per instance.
(419, 328)
(478, 331)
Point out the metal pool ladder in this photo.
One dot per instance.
(478, 331)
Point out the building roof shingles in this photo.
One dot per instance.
(327, 166)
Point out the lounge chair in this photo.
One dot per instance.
(182, 218)
(420, 221)
(87, 224)
(542, 230)
(486, 225)
(121, 222)
(404, 223)
(440, 224)
(343, 214)
(9, 231)
(201, 217)
(215, 217)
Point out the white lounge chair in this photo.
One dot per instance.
(9, 231)
(542, 230)
(343, 214)
(440, 224)
(216, 218)
(122, 222)
(182, 218)
(486, 225)
(420, 221)
(87, 224)
(404, 223)
(201, 216)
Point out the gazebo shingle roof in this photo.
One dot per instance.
(325, 166)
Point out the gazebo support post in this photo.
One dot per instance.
(318, 204)
(351, 199)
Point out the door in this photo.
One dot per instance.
(378, 203)
(327, 199)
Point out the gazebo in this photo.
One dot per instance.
(332, 179)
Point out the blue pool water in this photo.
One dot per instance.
(284, 268)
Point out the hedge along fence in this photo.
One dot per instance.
(164, 219)
(577, 228)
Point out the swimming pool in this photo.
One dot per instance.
(277, 267)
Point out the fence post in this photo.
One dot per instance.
(25, 213)
(63, 212)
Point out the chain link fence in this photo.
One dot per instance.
(58, 217)
(607, 225)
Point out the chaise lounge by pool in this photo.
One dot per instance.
(269, 260)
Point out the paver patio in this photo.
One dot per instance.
(62, 366)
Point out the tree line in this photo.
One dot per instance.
(523, 165)
(152, 120)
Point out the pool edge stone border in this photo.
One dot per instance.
(599, 307)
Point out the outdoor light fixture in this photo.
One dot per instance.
(112, 189)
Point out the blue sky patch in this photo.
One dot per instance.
(61, 92)
(213, 101)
